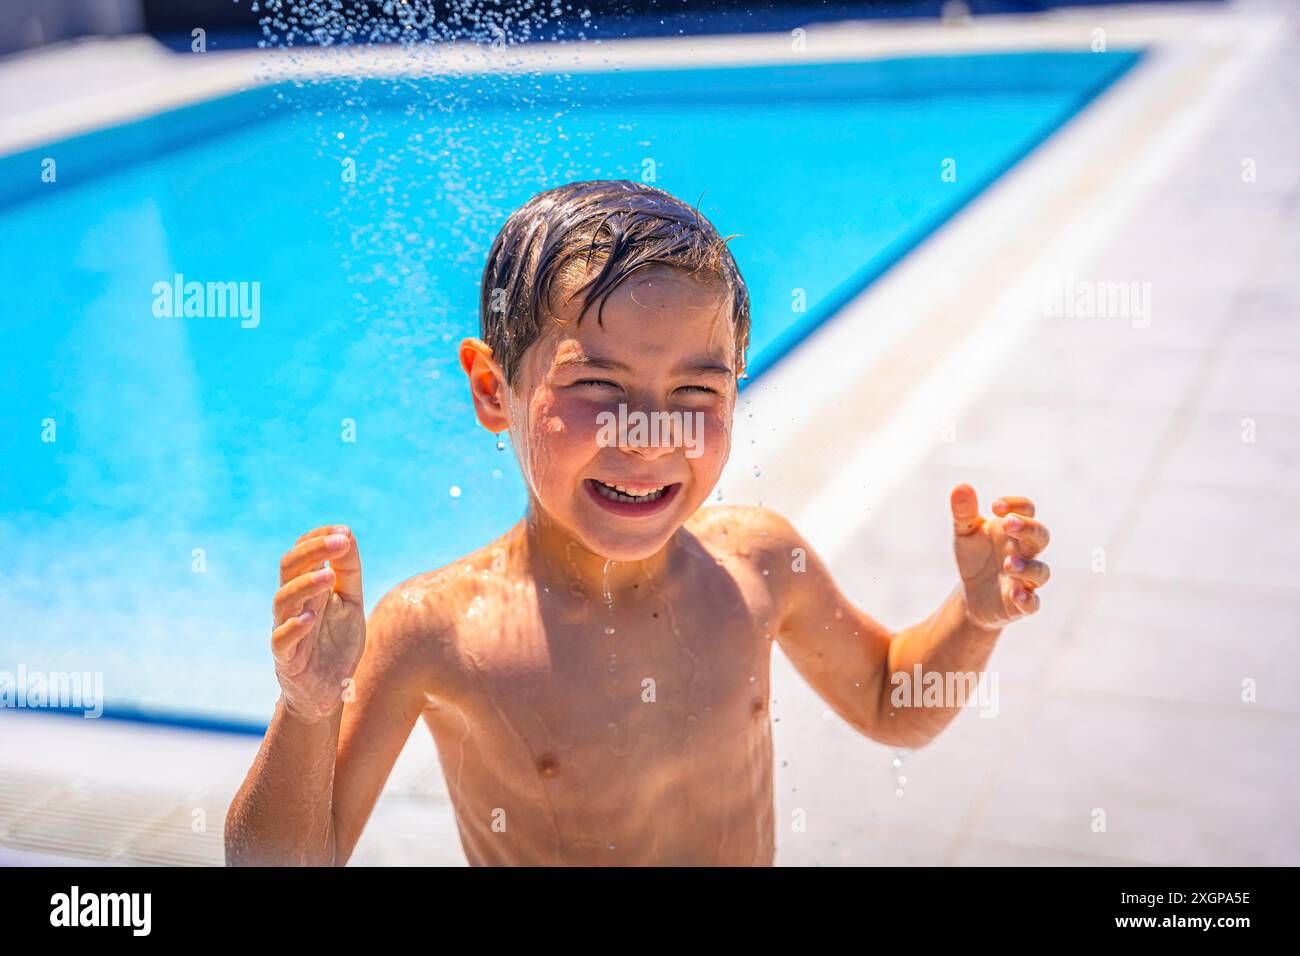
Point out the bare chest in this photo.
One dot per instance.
(610, 697)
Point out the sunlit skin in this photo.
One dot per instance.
(597, 683)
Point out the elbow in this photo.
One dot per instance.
(904, 728)
(900, 736)
(243, 848)
(234, 845)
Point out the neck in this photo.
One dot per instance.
(561, 562)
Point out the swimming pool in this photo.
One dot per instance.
(188, 452)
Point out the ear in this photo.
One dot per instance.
(487, 384)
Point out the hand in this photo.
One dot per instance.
(995, 557)
(320, 621)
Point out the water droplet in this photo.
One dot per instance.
(501, 446)
(609, 629)
(454, 491)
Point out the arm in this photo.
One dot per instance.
(856, 664)
(311, 787)
(315, 783)
(391, 685)
(282, 815)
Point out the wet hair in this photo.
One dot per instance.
(620, 226)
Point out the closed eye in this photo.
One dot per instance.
(596, 381)
(698, 388)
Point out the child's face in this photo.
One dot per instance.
(666, 355)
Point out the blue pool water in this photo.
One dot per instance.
(188, 443)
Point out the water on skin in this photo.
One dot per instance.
(502, 626)
(620, 734)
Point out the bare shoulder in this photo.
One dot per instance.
(765, 545)
(752, 530)
(415, 626)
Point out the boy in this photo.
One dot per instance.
(596, 680)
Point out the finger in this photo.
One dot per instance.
(290, 598)
(347, 572)
(1025, 599)
(286, 638)
(1009, 503)
(1031, 536)
(324, 530)
(311, 554)
(965, 510)
(1028, 574)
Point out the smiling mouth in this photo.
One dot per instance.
(629, 500)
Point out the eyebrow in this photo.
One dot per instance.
(689, 367)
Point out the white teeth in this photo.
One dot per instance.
(620, 493)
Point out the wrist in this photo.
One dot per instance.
(974, 623)
(296, 716)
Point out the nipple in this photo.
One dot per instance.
(548, 766)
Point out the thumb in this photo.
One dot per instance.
(965, 510)
(347, 572)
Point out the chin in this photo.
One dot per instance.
(624, 548)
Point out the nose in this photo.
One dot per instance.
(649, 452)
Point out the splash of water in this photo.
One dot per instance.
(896, 767)
(433, 120)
